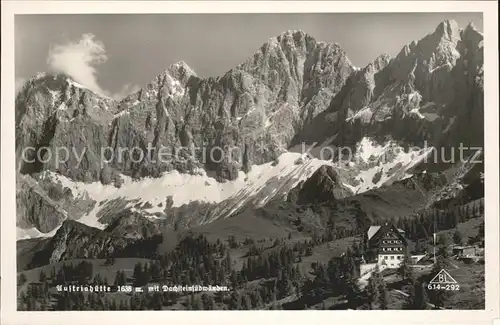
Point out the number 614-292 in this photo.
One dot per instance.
(448, 287)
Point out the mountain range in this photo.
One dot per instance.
(293, 93)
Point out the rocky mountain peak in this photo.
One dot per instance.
(181, 71)
(295, 36)
(435, 54)
(40, 75)
(124, 221)
(427, 83)
(471, 27)
(293, 32)
(471, 36)
(293, 89)
(47, 95)
(448, 30)
(378, 64)
(280, 50)
(71, 227)
(323, 186)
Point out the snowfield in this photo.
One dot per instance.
(257, 187)
(376, 164)
(34, 233)
(260, 185)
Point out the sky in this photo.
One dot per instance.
(116, 55)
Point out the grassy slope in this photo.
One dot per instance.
(469, 276)
(276, 221)
(471, 295)
(323, 253)
(25, 250)
(243, 226)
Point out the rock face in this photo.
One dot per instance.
(319, 210)
(132, 225)
(55, 113)
(430, 92)
(35, 208)
(76, 240)
(256, 107)
(43, 204)
(324, 185)
(235, 135)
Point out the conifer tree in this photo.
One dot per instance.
(246, 302)
(235, 301)
(405, 270)
(208, 302)
(353, 293)
(383, 299)
(21, 279)
(457, 238)
(42, 277)
(274, 304)
(421, 298)
(372, 291)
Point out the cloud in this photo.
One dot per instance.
(126, 90)
(19, 84)
(78, 60)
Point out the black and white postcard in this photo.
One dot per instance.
(330, 157)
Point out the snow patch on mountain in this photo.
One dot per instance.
(54, 95)
(273, 180)
(376, 164)
(71, 82)
(450, 123)
(367, 148)
(457, 180)
(62, 107)
(30, 233)
(261, 184)
(122, 113)
(175, 87)
(417, 112)
(365, 114)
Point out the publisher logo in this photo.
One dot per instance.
(443, 281)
